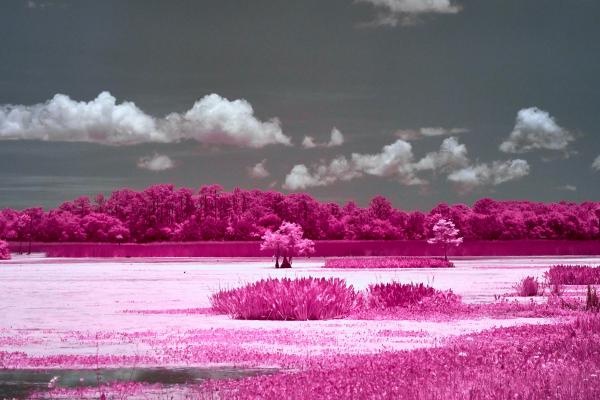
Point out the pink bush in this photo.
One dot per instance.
(287, 299)
(387, 262)
(4, 251)
(395, 294)
(573, 275)
(528, 286)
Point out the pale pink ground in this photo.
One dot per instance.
(58, 306)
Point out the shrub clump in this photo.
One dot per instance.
(573, 275)
(288, 299)
(388, 262)
(528, 287)
(395, 294)
(4, 251)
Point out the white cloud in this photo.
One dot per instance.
(336, 139)
(309, 142)
(568, 188)
(395, 160)
(156, 162)
(416, 134)
(259, 171)
(339, 169)
(485, 174)
(596, 164)
(451, 155)
(212, 119)
(406, 12)
(535, 129)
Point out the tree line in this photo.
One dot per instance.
(166, 213)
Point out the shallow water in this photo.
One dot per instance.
(21, 383)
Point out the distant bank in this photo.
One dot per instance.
(324, 248)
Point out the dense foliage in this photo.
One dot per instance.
(164, 213)
(573, 275)
(4, 251)
(387, 262)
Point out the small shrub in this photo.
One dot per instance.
(592, 303)
(573, 275)
(388, 262)
(395, 294)
(529, 286)
(4, 251)
(288, 299)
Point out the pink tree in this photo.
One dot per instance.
(288, 242)
(445, 232)
(4, 251)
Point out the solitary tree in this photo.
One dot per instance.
(445, 233)
(287, 241)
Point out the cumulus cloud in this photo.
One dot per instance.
(156, 162)
(336, 139)
(407, 12)
(490, 174)
(536, 129)
(451, 155)
(395, 160)
(259, 171)
(212, 119)
(596, 164)
(416, 134)
(339, 169)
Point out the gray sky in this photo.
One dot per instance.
(472, 98)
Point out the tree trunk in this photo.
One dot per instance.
(446, 252)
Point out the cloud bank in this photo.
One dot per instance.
(490, 174)
(407, 12)
(397, 161)
(156, 162)
(212, 119)
(536, 129)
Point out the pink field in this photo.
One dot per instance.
(90, 313)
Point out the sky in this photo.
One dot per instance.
(422, 101)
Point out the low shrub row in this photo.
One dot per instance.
(319, 298)
(573, 275)
(388, 262)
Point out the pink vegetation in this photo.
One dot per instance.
(165, 213)
(395, 294)
(286, 299)
(528, 287)
(388, 262)
(528, 362)
(4, 251)
(573, 275)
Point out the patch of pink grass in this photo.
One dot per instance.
(528, 362)
(387, 262)
(396, 294)
(573, 275)
(288, 299)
